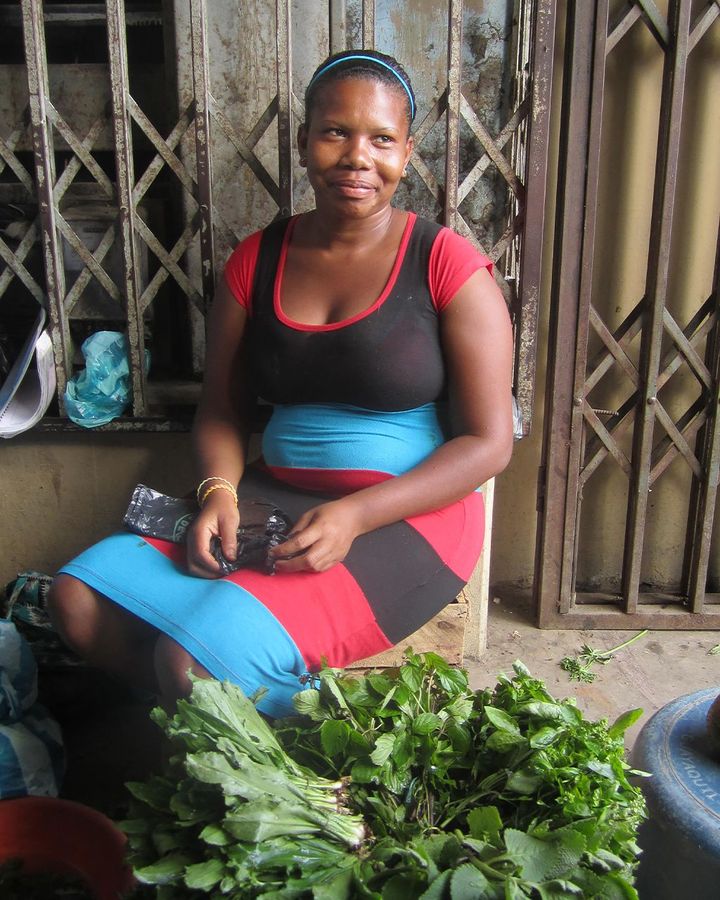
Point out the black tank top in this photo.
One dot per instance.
(390, 359)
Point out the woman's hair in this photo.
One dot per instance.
(362, 64)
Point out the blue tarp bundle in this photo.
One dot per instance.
(32, 758)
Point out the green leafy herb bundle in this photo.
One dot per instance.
(465, 795)
(234, 815)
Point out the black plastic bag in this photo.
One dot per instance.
(262, 526)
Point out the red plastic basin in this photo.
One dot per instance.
(53, 835)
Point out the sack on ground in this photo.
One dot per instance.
(32, 757)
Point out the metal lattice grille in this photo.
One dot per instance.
(165, 178)
(642, 398)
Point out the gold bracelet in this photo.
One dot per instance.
(214, 478)
(218, 487)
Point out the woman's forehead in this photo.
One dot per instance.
(359, 94)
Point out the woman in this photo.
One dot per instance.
(356, 321)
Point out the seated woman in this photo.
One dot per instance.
(384, 346)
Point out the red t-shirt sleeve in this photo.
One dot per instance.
(453, 259)
(240, 269)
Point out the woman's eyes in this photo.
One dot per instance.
(378, 139)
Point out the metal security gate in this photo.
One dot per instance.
(632, 442)
(132, 159)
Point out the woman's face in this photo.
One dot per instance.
(356, 145)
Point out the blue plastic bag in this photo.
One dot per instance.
(100, 393)
(32, 757)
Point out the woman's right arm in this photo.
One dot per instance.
(220, 431)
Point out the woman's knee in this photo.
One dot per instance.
(73, 610)
(172, 667)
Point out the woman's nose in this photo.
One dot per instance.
(357, 153)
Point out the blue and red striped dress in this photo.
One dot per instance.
(353, 403)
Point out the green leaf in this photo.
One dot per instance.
(364, 773)
(337, 888)
(383, 749)
(623, 722)
(501, 741)
(438, 889)
(460, 708)
(411, 677)
(522, 782)
(205, 875)
(545, 736)
(167, 870)
(381, 684)
(307, 703)
(169, 840)
(215, 835)
(469, 883)
(426, 723)
(545, 859)
(334, 736)
(402, 887)
(453, 680)
(263, 820)
(558, 890)
(329, 684)
(156, 792)
(601, 768)
(605, 887)
(502, 720)
(484, 821)
(521, 669)
(460, 738)
(556, 712)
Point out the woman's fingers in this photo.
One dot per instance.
(220, 523)
(320, 539)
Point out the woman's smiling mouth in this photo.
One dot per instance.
(351, 187)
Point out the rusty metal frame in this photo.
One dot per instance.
(127, 218)
(186, 152)
(577, 436)
(38, 93)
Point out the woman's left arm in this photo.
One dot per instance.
(477, 344)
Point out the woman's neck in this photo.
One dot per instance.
(326, 231)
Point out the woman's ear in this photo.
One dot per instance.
(409, 147)
(302, 140)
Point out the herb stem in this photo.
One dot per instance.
(626, 643)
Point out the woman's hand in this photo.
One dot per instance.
(220, 518)
(320, 539)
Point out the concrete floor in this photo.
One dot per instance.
(111, 739)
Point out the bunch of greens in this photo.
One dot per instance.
(465, 795)
(234, 815)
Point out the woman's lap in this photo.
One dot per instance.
(267, 631)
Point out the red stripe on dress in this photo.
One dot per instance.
(329, 619)
(330, 481)
(455, 533)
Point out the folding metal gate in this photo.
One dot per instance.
(634, 403)
(133, 179)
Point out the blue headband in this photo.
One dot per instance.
(378, 62)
